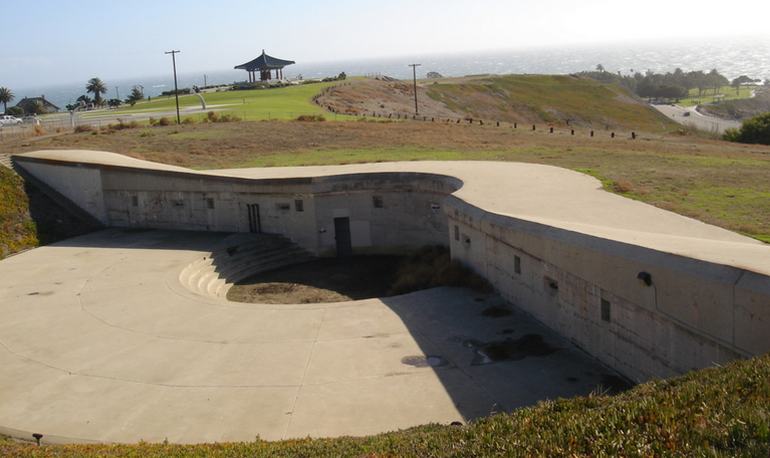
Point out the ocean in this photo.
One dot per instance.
(732, 58)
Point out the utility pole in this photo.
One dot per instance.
(117, 92)
(176, 87)
(205, 82)
(414, 75)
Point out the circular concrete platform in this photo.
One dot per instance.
(100, 341)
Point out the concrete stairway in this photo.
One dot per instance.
(240, 256)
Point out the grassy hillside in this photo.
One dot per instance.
(549, 98)
(713, 412)
(257, 104)
(17, 230)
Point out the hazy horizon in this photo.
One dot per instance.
(117, 41)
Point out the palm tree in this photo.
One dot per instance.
(6, 96)
(97, 87)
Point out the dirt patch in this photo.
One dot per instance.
(384, 97)
(320, 281)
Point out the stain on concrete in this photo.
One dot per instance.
(496, 311)
(509, 349)
(424, 361)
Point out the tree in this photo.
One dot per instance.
(135, 96)
(600, 68)
(15, 111)
(96, 87)
(737, 82)
(84, 100)
(754, 130)
(6, 96)
(114, 103)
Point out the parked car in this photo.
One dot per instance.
(9, 120)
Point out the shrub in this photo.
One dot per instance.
(755, 130)
(188, 120)
(212, 116)
(123, 125)
(15, 111)
(432, 266)
(39, 130)
(164, 121)
(153, 121)
(311, 118)
(83, 128)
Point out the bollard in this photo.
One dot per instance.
(458, 121)
(481, 123)
(498, 124)
(612, 135)
(551, 130)
(533, 127)
(633, 135)
(470, 121)
(592, 133)
(432, 119)
(572, 132)
(515, 125)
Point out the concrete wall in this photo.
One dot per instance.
(408, 211)
(692, 314)
(81, 185)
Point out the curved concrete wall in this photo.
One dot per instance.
(644, 312)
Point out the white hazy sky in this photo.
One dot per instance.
(53, 41)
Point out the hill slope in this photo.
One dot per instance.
(552, 99)
(525, 99)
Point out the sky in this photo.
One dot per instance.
(50, 42)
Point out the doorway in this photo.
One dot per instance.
(342, 237)
(255, 223)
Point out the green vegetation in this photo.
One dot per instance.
(554, 99)
(6, 97)
(713, 412)
(17, 230)
(714, 95)
(96, 87)
(754, 130)
(254, 105)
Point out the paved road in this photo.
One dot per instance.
(695, 118)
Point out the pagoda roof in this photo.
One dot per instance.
(264, 62)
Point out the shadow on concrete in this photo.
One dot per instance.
(488, 355)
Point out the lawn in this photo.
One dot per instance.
(709, 95)
(254, 105)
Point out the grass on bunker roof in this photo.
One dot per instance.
(717, 182)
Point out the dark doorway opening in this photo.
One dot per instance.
(342, 237)
(255, 223)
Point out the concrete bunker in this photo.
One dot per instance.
(588, 288)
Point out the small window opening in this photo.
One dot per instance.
(134, 201)
(210, 203)
(299, 205)
(517, 264)
(551, 285)
(283, 206)
(606, 310)
(377, 202)
(179, 203)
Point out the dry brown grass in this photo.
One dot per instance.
(715, 181)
